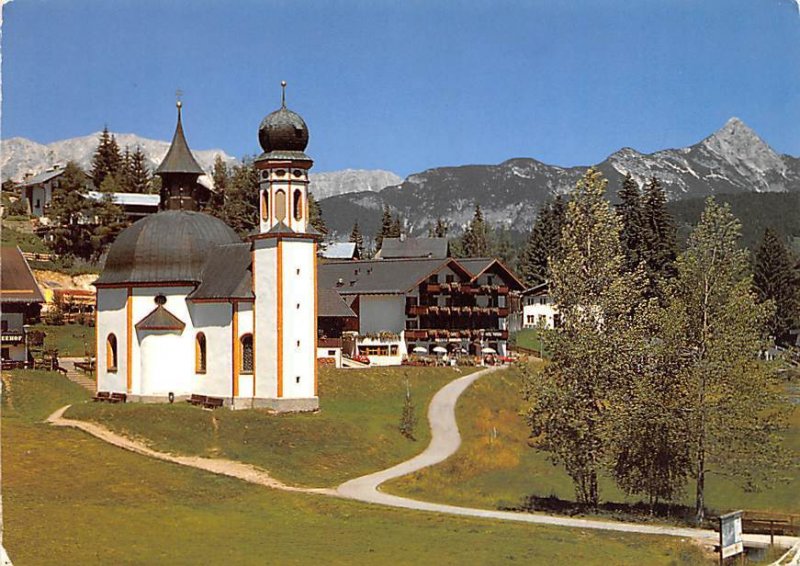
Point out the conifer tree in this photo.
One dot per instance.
(659, 236)
(631, 212)
(240, 210)
(543, 244)
(139, 178)
(475, 242)
(107, 159)
(315, 217)
(220, 177)
(440, 230)
(357, 239)
(396, 229)
(776, 279)
(385, 229)
(503, 247)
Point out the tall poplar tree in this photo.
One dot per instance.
(570, 399)
(776, 279)
(734, 407)
(221, 179)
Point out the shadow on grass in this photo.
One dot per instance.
(638, 512)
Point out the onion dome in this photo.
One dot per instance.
(168, 247)
(283, 134)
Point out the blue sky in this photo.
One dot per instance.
(405, 86)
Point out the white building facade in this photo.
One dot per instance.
(184, 307)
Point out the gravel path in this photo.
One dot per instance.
(445, 440)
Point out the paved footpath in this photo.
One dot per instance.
(445, 440)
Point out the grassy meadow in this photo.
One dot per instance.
(69, 498)
(71, 340)
(495, 467)
(354, 433)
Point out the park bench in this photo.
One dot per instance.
(118, 398)
(85, 367)
(213, 403)
(197, 400)
(102, 396)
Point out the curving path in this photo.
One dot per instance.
(445, 440)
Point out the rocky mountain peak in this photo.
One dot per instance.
(738, 145)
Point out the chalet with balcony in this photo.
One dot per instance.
(21, 300)
(461, 305)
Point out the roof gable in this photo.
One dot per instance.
(161, 319)
(17, 283)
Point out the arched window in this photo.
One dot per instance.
(246, 361)
(298, 204)
(111, 353)
(265, 205)
(200, 353)
(280, 205)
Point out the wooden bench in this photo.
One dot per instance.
(118, 398)
(102, 396)
(197, 400)
(85, 367)
(213, 403)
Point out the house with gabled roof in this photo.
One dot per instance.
(20, 302)
(457, 304)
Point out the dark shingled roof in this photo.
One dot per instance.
(478, 265)
(179, 158)
(332, 304)
(396, 248)
(160, 319)
(170, 246)
(17, 284)
(382, 276)
(42, 177)
(227, 274)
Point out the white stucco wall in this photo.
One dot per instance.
(382, 313)
(111, 318)
(266, 314)
(534, 308)
(214, 321)
(299, 338)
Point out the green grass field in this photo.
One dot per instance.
(495, 466)
(355, 432)
(71, 340)
(72, 499)
(529, 338)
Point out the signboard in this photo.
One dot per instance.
(730, 534)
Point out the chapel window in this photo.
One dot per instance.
(298, 204)
(111, 353)
(246, 361)
(200, 353)
(280, 205)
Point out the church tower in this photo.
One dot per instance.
(179, 172)
(284, 268)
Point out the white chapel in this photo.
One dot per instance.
(185, 307)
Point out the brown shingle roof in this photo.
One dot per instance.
(17, 283)
(160, 319)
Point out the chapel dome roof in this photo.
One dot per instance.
(283, 130)
(170, 246)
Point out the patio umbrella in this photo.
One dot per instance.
(420, 350)
(440, 350)
(488, 350)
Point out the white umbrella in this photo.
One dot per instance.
(420, 350)
(440, 350)
(488, 350)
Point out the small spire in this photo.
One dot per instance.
(178, 103)
(283, 94)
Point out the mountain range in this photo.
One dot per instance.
(21, 156)
(732, 160)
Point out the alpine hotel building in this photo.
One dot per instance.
(184, 306)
